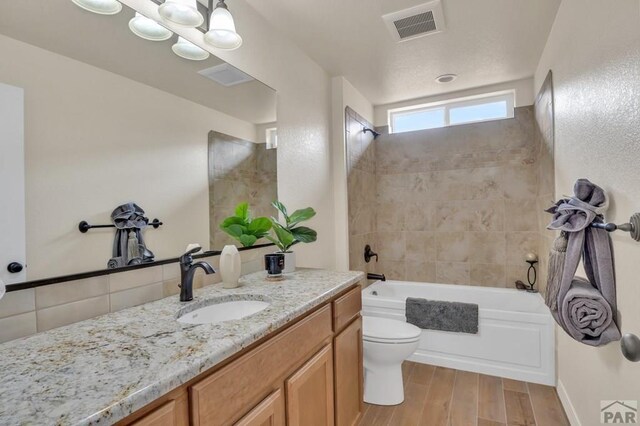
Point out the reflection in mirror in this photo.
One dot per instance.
(110, 118)
(239, 171)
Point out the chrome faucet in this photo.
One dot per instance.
(188, 270)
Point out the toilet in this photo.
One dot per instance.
(387, 343)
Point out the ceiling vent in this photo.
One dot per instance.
(415, 22)
(226, 75)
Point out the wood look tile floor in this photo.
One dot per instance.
(436, 396)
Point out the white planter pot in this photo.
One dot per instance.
(230, 266)
(289, 262)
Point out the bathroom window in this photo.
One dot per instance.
(272, 137)
(492, 106)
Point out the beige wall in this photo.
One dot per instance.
(457, 205)
(95, 140)
(596, 71)
(25, 312)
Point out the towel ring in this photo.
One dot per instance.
(633, 227)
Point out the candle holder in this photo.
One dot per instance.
(532, 275)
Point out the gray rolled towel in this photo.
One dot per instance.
(587, 314)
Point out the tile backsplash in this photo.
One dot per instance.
(29, 311)
(456, 205)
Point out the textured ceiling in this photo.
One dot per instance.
(486, 42)
(106, 42)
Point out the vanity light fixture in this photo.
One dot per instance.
(181, 12)
(101, 7)
(187, 50)
(222, 30)
(148, 29)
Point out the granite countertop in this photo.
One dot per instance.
(103, 369)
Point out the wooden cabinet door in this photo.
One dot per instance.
(310, 392)
(165, 415)
(349, 374)
(269, 412)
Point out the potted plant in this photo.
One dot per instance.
(291, 233)
(247, 231)
(244, 228)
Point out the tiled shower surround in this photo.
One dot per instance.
(456, 205)
(239, 171)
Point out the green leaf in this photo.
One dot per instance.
(286, 238)
(274, 241)
(231, 220)
(236, 231)
(248, 240)
(304, 234)
(301, 215)
(259, 226)
(242, 211)
(281, 208)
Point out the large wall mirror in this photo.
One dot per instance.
(94, 119)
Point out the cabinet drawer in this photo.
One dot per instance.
(346, 308)
(225, 396)
(162, 416)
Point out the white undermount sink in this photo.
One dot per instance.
(223, 310)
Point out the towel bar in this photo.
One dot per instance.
(84, 226)
(633, 227)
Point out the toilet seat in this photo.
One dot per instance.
(389, 331)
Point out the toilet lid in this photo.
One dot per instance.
(384, 330)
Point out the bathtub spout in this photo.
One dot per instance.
(377, 277)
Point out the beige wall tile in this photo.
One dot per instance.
(488, 275)
(60, 315)
(420, 246)
(486, 215)
(452, 216)
(136, 278)
(170, 271)
(452, 273)
(390, 217)
(393, 270)
(17, 326)
(136, 296)
(17, 302)
(453, 246)
(521, 214)
(519, 244)
(419, 215)
(420, 271)
(390, 245)
(487, 247)
(58, 294)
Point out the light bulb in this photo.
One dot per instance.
(101, 7)
(222, 30)
(148, 29)
(187, 50)
(181, 12)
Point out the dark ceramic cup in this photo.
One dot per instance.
(274, 264)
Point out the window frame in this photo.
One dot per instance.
(506, 95)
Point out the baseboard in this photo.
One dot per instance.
(567, 405)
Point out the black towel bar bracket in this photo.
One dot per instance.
(84, 226)
(633, 227)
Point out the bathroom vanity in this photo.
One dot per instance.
(297, 362)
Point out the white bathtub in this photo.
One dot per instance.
(515, 338)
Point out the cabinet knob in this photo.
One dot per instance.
(15, 267)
